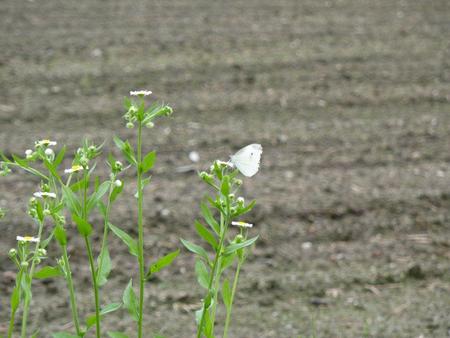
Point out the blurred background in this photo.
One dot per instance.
(351, 102)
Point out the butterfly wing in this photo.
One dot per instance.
(247, 159)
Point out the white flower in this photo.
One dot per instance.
(242, 224)
(74, 168)
(45, 143)
(49, 152)
(28, 152)
(27, 239)
(240, 200)
(118, 183)
(140, 92)
(40, 194)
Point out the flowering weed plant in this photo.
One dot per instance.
(68, 197)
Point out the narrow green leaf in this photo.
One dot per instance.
(127, 239)
(205, 234)
(98, 194)
(246, 209)
(207, 215)
(71, 200)
(59, 157)
(48, 272)
(195, 249)
(126, 150)
(15, 299)
(162, 263)
(104, 266)
(84, 228)
(60, 235)
(91, 319)
(130, 301)
(236, 246)
(148, 161)
(227, 261)
(116, 334)
(226, 294)
(202, 273)
(225, 187)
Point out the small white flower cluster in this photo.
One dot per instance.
(43, 144)
(74, 169)
(26, 239)
(242, 224)
(140, 92)
(40, 194)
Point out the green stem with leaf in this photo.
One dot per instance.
(233, 292)
(29, 279)
(140, 230)
(73, 301)
(91, 260)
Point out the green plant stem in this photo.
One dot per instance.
(13, 313)
(94, 285)
(27, 300)
(91, 263)
(233, 292)
(214, 270)
(73, 302)
(140, 231)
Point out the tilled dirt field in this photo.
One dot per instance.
(351, 102)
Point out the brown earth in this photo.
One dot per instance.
(351, 102)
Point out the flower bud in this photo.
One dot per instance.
(47, 212)
(237, 181)
(150, 125)
(24, 264)
(49, 152)
(130, 125)
(37, 260)
(231, 196)
(12, 253)
(28, 153)
(42, 252)
(84, 161)
(118, 166)
(118, 183)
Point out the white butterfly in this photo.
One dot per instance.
(247, 159)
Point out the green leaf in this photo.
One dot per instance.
(162, 263)
(60, 234)
(71, 200)
(15, 299)
(205, 234)
(97, 195)
(148, 161)
(90, 320)
(48, 272)
(225, 187)
(84, 228)
(209, 218)
(130, 301)
(104, 266)
(116, 334)
(126, 150)
(64, 335)
(59, 157)
(236, 246)
(127, 239)
(195, 249)
(227, 261)
(246, 209)
(226, 294)
(202, 273)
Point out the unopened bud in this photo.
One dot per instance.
(42, 252)
(130, 125)
(150, 125)
(118, 183)
(12, 253)
(24, 264)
